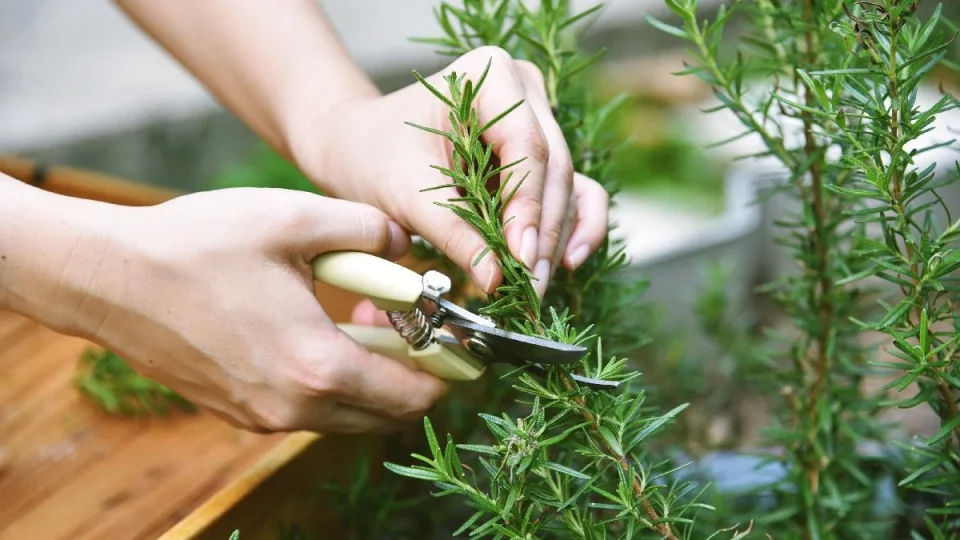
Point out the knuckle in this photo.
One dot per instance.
(498, 55)
(374, 227)
(562, 164)
(531, 72)
(318, 380)
(601, 194)
(551, 231)
(475, 61)
(418, 406)
(311, 372)
(525, 203)
(536, 146)
(275, 417)
(588, 187)
(459, 243)
(289, 214)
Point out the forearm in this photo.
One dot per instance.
(49, 256)
(268, 62)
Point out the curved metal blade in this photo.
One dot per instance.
(512, 347)
(539, 370)
(589, 382)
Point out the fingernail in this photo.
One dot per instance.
(578, 256)
(542, 275)
(485, 272)
(491, 276)
(399, 241)
(528, 246)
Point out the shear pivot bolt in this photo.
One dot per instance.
(435, 285)
(477, 346)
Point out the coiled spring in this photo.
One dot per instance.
(414, 326)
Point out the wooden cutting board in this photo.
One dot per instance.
(74, 472)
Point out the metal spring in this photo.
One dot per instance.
(413, 326)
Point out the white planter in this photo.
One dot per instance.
(673, 249)
(777, 260)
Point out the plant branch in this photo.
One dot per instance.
(623, 462)
(820, 240)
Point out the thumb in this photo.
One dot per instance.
(329, 224)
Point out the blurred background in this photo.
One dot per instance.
(80, 84)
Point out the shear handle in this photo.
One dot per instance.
(438, 359)
(390, 286)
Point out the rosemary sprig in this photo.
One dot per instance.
(116, 388)
(474, 167)
(915, 254)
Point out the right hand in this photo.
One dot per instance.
(212, 294)
(333, 147)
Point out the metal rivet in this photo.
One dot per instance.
(477, 346)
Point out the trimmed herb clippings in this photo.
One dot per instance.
(116, 388)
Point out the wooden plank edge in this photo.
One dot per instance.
(84, 184)
(234, 492)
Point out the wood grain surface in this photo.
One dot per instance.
(75, 472)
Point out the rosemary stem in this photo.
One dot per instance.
(822, 290)
(623, 461)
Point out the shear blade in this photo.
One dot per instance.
(596, 384)
(589, 382)
(515, 348)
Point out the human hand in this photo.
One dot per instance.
(363, 151)
(213, 295)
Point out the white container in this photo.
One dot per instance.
(673, 248)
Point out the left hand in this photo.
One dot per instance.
(363, 151)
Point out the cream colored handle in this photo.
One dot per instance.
(390, 286)
(436, 359)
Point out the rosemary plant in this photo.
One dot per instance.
(841, 120)
(915, 252)
(576, 462)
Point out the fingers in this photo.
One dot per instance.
(381, 385)
(591, 224)
(543, 210)
(558, 184)
(320, 224)
(516, 136)
(455, 238)
(340, 418)
(366, 314)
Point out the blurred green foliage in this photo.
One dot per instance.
(264, 168)
(116, 388)
(671, 168)
(658, 159)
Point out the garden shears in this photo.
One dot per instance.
(431, 333)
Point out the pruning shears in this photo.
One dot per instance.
(431, 333)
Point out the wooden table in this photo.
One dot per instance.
(74, 472)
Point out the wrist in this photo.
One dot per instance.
(317, 144)
(310, 97)
(53, 258)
